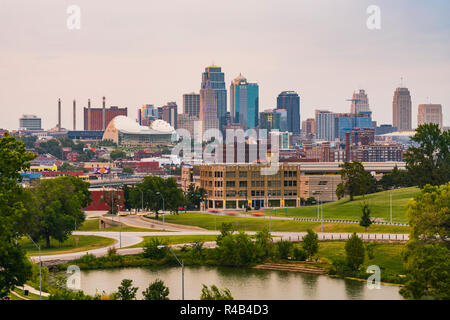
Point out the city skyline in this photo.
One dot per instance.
(313, 49)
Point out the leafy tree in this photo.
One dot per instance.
(225, 230)
(112, 199)
(52, 147)
(197, 250)
(284, 249)
(156, 291)
(127, 170)
(215, 293)
(195, 195)
(154, 248)
(397, 178)
(310, 243)
(300, 254)
(29, 141)
(354, 252)
(429, 161)
(15, 269)
(264, 244)
(365, 218)
(427, 255)
(127, 200)
(236, 250)
(355, 180)
(67, 167)
(56, 207)
(126, 291)
(117, 154)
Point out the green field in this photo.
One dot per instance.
(206, 221)
(346, 209)
(68, 246)
(386, 255)
(178, 239)
(92, 225)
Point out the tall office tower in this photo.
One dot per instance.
(93, 117)
(213, 78)
(74, 115)
(244, 102)
(169, 113)
(346, 122)
(283, 119)
(208, 110)
(187, 122)
(429, 113)
(401, 109)
(360, 102)
(290, 101)
(147, 114)
(191, 104)
(324, 125)
(30, 122)
(59, 114)
(308, 128)
(269, 120)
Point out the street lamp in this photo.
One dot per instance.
(142, 198)
(164, 229)
(390, 196)
(40, 267)
(182, 269)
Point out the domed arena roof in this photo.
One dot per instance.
(128, 125)
(161, 125)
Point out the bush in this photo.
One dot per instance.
(156, 291)
(300, 254)
(354, 252)
(215, 293)
(284, 249)
(126, 291)
(310, 243)
(152, 249)
(370, 246)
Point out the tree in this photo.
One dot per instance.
(236, 250)
(354, 252)
(264, 244)
(365, 218)
(117, 154)
(225, 230)
(310, 243)
(126, 291)
(429, 161)
(154, 248)
(284, 249)
(195, 195)
(427, 255)
(112, 199)
(215, 293)
(127, 170)
(15, 269)
(156, 291)
(52, 147)
(355, 180)
(127, 198)
(397, 178)
(56, 207)
(66, 167)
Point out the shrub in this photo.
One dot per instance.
(126, 291)
(156, 291)
(310, 243)
(215, 293)
(300, 254)
(354, 252)
(153, 249)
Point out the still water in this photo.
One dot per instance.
(247, 284)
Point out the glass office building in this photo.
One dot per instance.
(213, 78)
(244, 102)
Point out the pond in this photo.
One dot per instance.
(244, 283)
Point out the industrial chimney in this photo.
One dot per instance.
(74, 115)
(104, 115)
(89, 115)
(59, 114)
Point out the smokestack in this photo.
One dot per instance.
(59, 114)
(104, 115)
(89, 115)
(74, 115)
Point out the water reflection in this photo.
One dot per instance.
(244, 283)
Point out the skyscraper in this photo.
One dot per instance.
(208, 110)
(244, 102)
(290, 101)
(169, 114)
(213, 78)
(401, 109)
(147, 114)
(191, 104)
(429, 113)
(360, 102)
(325, 125)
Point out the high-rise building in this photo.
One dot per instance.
(169, 113)
(30, 122)
(346, 122)
(290, 101)
(269, 120)
(93, 117)
(208, 110)
(147, 114)
(429, 113)
(325, 125)
(187, 122)
(360, 102)
(191, 104)
(213, 78)
(401, 109)
(244, 102)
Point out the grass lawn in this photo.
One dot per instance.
(206, 221)
(92, 225)
(386, 255)
(345, 209)
(31, 296)
(178, 239)
(68, 246)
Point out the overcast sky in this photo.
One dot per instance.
(145, 51)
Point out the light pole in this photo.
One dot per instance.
(390, 197)
(40, 267)
(182, 270)
(164, 229)
(321, 220)
(142, 199)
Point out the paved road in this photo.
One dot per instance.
(132, 238)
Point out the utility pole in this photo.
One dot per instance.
(390, 196)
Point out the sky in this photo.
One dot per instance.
(151, 52)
